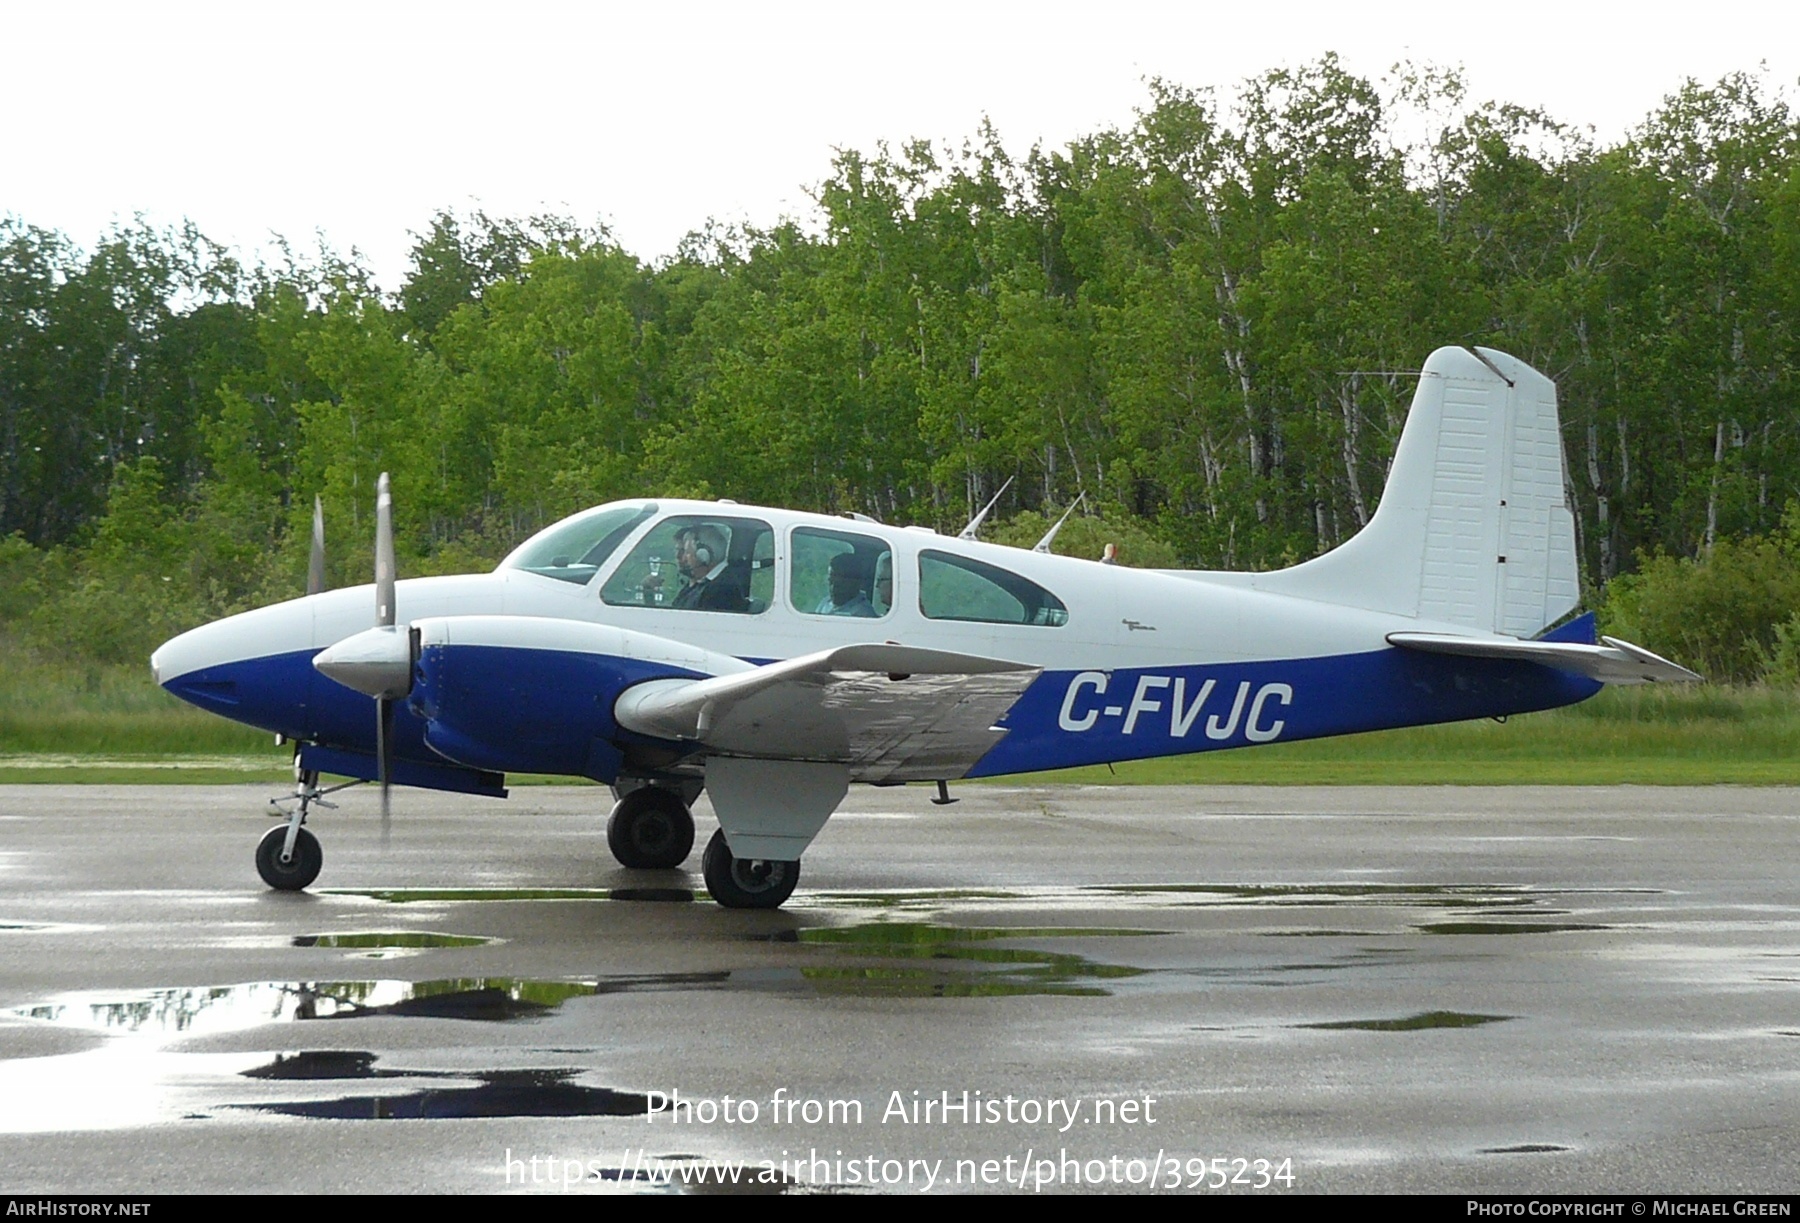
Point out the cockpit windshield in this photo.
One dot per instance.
(574, 549)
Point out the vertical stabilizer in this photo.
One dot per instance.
(1473, 528)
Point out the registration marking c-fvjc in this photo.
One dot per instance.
(1154, 695)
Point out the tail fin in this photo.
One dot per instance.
(1474, 527)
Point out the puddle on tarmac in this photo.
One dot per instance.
(1494, 927)
(679, 896)
(209, 1010)
(1423, 1021)
(388, 945)
(1320, 895)
(905, 900)
(322, 1064)
(969, 964)
(498, 1093)
(1461, 902)
(420, 895)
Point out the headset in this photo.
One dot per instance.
(702, 552)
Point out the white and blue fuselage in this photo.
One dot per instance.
(1137, 663)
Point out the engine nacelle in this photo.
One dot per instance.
(527, 695)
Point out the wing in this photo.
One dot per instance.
(1612, 662)
(890, 713)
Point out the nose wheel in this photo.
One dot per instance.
(650, 829)
(746, 883)
(297, 868)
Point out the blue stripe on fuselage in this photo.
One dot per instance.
(512, 710)
(1092, 717)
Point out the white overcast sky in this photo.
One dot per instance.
(358, 121)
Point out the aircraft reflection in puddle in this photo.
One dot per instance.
(999, 971)
(971, 965)
(440, 895)
(497, 1093)
(131, 1080)
(230, 1008)
(1421, 1022)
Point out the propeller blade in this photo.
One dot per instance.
(315, 565)
(384, 553)
(384, 618)
(384, 742)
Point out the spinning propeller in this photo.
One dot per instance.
(315, 564)
(377, 662)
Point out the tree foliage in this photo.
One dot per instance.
(1207, 323)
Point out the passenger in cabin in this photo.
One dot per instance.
(884, 583)
(849, 588)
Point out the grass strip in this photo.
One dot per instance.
(67, 723)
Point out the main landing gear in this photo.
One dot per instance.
(746, 883)
(650, 829)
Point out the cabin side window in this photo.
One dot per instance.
(698, 562)
(841, 573)
(958, 588)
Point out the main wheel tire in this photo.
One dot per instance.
(746, 883)
(650, 829)
(296, 872)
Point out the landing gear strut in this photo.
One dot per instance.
(650, 829)
(746, 883)
(288, 857)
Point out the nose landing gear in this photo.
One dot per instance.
(288, 857)
(288, 868)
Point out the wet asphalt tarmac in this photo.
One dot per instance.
(1450, 990)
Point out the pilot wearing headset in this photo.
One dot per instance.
(700, 556)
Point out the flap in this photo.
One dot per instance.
(890, 712)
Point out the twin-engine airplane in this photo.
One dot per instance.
(772, 658)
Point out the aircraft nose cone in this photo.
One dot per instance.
(377, 662)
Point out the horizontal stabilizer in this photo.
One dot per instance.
(1611, 662)
(890, 712)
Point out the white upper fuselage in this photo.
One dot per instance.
(1116, 616)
